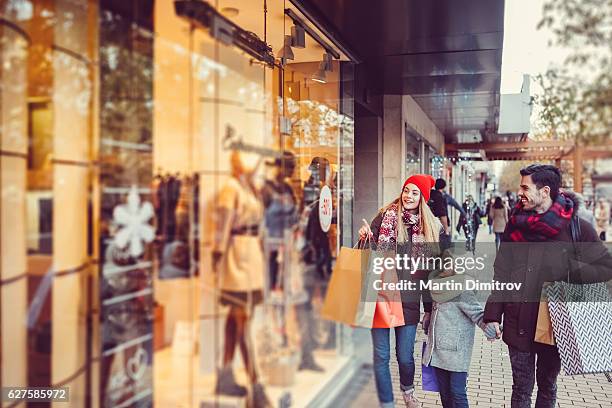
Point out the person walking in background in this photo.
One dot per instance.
(450, 336)
(439, 207)
(602, 216)
(511, 198)
(543, 214)
(499, 216)
(470, 222)
(406, 226)
(438, 203)
(583, 210)
(450, 200)
(489, 216)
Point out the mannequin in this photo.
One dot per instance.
(238, 261)
(280, 213)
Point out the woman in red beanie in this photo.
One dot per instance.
(407, 226)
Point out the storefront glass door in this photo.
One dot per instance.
(172, 206)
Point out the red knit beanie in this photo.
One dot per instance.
(424, 182)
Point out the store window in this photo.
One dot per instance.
(172, 205)
(437, 164)
(413, 152)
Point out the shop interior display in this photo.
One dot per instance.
(177, 246)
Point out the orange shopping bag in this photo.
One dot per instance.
(389, 311)
(343, 298)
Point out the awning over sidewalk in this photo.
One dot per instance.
(446, 54)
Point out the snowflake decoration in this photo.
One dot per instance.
(133, 218)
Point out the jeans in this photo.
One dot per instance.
(544, 364)
(498, 238)
(404, 351)
(453, 388)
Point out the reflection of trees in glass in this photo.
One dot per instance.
(126, 101)
(75, 94)
(13, 56)
(318, 123)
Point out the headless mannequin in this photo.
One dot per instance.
(241, 306)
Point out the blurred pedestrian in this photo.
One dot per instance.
(439, 207)
(488, 212)
(583, 210)
(602, 216)
(499, 216)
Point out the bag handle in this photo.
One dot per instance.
(575, 233)
(367, 240)
(361, 243)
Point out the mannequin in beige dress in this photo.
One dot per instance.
(238, 261)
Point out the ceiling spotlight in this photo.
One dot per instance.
(286, 53)
(230, 11)
(324, 66)
(319, 76)
(327, 59)
(298, 36)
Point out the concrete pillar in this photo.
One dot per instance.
(393, 148)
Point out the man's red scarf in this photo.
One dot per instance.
(529, 226)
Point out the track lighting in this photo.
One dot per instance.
(324, 66)
(298, 36)
(319, 76)
(286, 53)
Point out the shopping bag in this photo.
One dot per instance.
(369, 295)
(544, 330)
(581, 316)
(343, 298)
(430, 382)
(389, 312)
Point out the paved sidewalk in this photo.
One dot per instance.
(489, 384)
(490, 378)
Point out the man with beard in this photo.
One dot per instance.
(537, 247)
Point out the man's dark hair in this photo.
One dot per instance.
(544, 175)
(440, 184)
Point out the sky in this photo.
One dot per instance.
(526, 49)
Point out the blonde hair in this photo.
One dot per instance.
(429, 224)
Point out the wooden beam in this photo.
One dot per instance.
(578, 169)
(501, 146)
(596, 154)
(550, 155)
(590, 154)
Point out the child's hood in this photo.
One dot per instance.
(441, 291)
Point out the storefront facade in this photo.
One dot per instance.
(163, 173)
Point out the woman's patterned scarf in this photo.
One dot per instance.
(387, 235)
(529, 226)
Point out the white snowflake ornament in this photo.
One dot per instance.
(134, 220)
